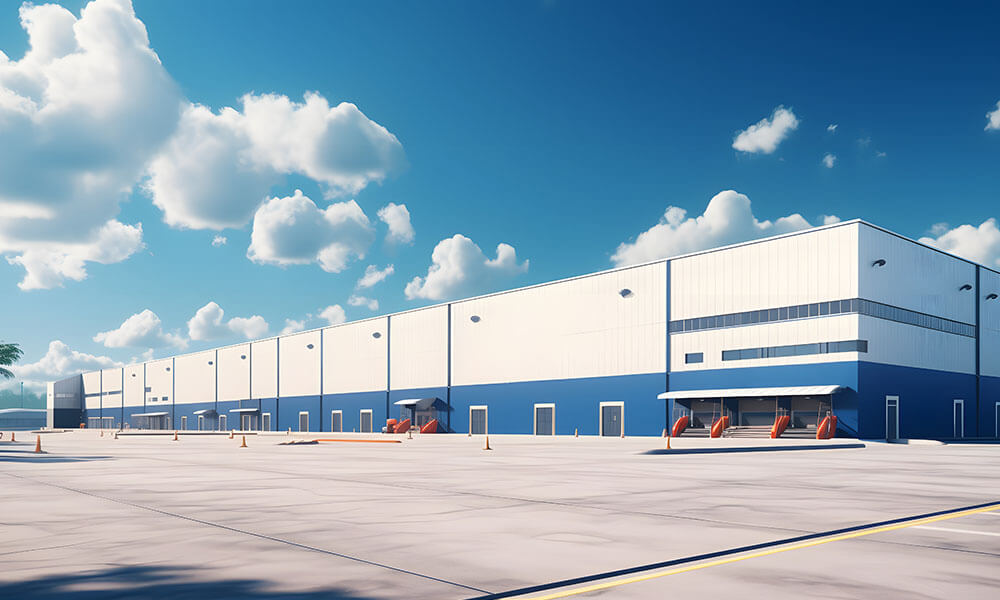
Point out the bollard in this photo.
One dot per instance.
(116, 435)
(487, 447)
(664, 434)
(289, 431)
(12, 437)
(230, 435)
(38, 444)
(576, 433)
(244, 444)
(102, 433)
(409, 434)
(175, 435)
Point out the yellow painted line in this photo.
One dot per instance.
(725, 561)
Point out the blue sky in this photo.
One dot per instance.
(561, 129)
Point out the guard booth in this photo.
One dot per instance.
(751, 409)
(151, 420)
(421, 411)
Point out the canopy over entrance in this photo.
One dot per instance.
(423, 403)
(808, 390)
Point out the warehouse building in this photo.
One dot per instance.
(895, 338)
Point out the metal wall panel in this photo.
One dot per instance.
(234, 373)
(264, 358)
(989, 318)
(711, 343)
(92, 390)
(582, 327)
(419, 349)
(915, 277)
(354, 359)
(195, 378)
(159, 380)
(112, 389)
(134, 385)
(798, 269)
(300, 364)
(905, 345)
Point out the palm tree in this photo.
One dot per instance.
(9, 354)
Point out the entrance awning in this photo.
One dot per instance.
(207, 412)
(423, 403)
(807, 390)
(152, 414)
(244, 410)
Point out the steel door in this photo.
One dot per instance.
(611, 420)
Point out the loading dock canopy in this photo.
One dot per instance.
(808, 390)
(207, 412)
(423, 403)
(152, 414)
(244, 410)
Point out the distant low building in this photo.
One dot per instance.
(22, 418)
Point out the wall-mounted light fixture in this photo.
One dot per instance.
(211, 363)
(879, 263)
(475, 318)
(310, 346)
(991, 297)
(243, 356)
(168, 368)
(133, 374)
(965, 288)
(624, 292)
(376, 335)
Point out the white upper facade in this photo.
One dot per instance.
(615, 323)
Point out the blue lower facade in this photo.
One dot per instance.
(578, 401)
(927, 407)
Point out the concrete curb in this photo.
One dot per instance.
(753, 449)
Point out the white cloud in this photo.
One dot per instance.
(459, 267)
(829, 160)
(373, 276)
(220, 166)
(880, 154)
(832, 127)
(397, 217)
(59, 362)
(830, 219)
(371, 303)
(292, 326)
(141, 330)
(294, 231)
(208, 324)
(993, 119)
(333, 314)
(80, 114)
(48, 264)
(765, 135)
(727, 219)
(219, 240)
(980, 244)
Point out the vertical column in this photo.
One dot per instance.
(321, 382)
(277, 384)
(173, 388)
(669, 403)
(979, 302)
(121, 396)
(448, 389)
(388, 363)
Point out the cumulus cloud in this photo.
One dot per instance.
(59, 362)
(727, 219)
(294, 231)
(293, 326)
(832, 127)
(374, 275)
(993, 119)
(208, 324)
(334, 314)
(397, 217)
(765, 135)
(219, 240)
(48, 264)
(80, 114)
(459, 267)
(829, 160)
(219, 167)
(141, 330)
(980, 244)
(371, 303)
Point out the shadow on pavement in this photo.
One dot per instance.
(149, 581)
(27, 456)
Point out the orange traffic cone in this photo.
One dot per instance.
(175, 436)
(244, 444)
(576, 433)
(38, 444)
(487, 444)
(668, 443)
(12, 437)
